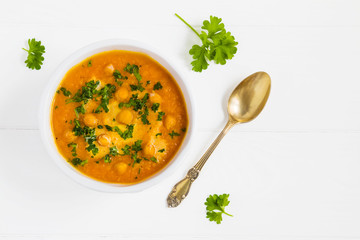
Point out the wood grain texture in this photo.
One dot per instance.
(297, 176)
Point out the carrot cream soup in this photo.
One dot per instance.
(119, 117)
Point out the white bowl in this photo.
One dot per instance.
(46, 103)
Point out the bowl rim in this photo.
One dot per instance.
(52, 85)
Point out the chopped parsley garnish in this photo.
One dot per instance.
(106, 94)
(158, 86)
(133, 69)
(117, 75)
(73, 150)
(79, 109)
(155, 107)
(89, 63)
(144, 115)
(88, 134)
(126, 134)
(78, 161)
(100, 126)
(158, 134)
(160, 116)
(35, 54)
(135, 103)
(86, 92)
(113, 152)
(137, 87)
(109, 128)
(66, 92)
(147, 83)
(126, 150)
(139, 105)
(162, 150)
(153, 159)
(132, 151)
(183, 129)
(173, 133)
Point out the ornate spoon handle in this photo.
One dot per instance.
(181, 189)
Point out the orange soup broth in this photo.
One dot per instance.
(121, 169)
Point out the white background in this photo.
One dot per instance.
(293, 173)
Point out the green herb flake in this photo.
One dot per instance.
(86, 92)
(89, 63)
(155, 107)
(160, 116)
(79, 109)
(66, 92)
(106, 94)
(153, 159)
(78, 161)
(173, 133)
(158, 86)
(162, 150)
(158, 134)
(73, 150)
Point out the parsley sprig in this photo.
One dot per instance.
(35, 54)
(217, 44)
(215, 207)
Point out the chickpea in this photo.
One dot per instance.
(69, 135)
(121, 167)
(90, 120)
(104, 140)
(155, 98)
(109, 69)
(125, 116)
(121, 94)
(169, 121)
(149, 149)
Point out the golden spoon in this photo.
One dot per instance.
(245, 103)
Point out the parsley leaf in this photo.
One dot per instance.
(173, 133)
(113, 152)
(126, 134)
(89, 63)
(78, 161)
(162, 150)
(73, 150)
(36, 50)
(66, 92)
(153, 159)
(158, 134)
(117, 75)
(79, 109)
(215, 207)
(155, 107)
(133, 69)
(217, 44)
(158, 86)
(106, 94)
(88, 134)
(160, 116)
(86, 92)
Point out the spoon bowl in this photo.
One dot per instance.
(249, 97)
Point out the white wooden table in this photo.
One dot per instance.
(293, 173)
